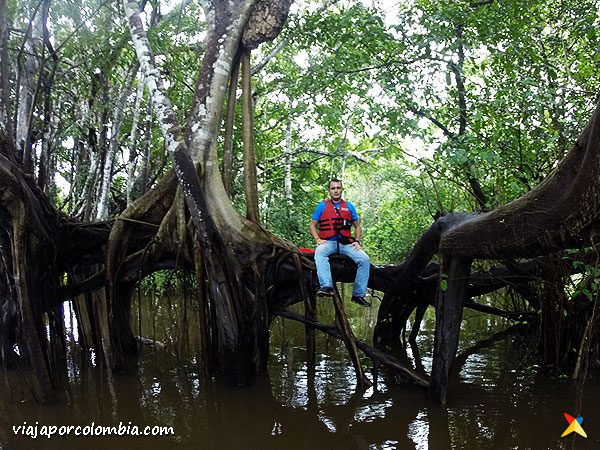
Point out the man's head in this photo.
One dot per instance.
(335, 190)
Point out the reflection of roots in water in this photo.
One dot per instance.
(461, 358)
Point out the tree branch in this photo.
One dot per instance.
(433, 120)
(376, 355)
(480, 3)
(267, 58)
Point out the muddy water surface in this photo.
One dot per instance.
(499, 398)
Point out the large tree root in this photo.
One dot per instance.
(563, 211)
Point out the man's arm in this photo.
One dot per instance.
(315, 233)
(357, 234)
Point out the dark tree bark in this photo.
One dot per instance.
(450, 300)
(561, 212)
(30, 227)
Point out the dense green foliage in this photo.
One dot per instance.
(406, 101)
(443, 91)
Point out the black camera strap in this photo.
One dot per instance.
(335, 228)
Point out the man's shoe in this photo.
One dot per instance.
(360, 301)
(325, 292)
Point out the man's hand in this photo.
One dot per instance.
(321, 242)
(356, 245)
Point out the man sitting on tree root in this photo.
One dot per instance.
(335, 218)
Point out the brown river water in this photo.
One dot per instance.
(499, 399)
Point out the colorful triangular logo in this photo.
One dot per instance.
(574, 426)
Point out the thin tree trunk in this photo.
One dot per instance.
(343, 168)
(28, 86)
(28, 155)
(5, 97)
(80, 155)
(50, 121)
(98, 145)
(460, 86)
(109, 161)
(343, 146)
(83, 209)
(145, 171)
(287, 181)
(229, 125)
(50, 127)
(250, 183)
(52, 164)
(133, 147)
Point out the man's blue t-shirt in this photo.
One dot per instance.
(321, 207)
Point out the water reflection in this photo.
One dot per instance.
(498, 400)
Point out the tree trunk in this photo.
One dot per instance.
(50, 127)
(250, 182)
(449, 307)
(115, 135)
(235, 272)
(80, 157)
(229, 126)
(133, 145)
(287, 160)
(6, 125)
(27, 90)
(30, 247)
(145, 171)
(86, 203)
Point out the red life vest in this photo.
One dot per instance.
(335, 221)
